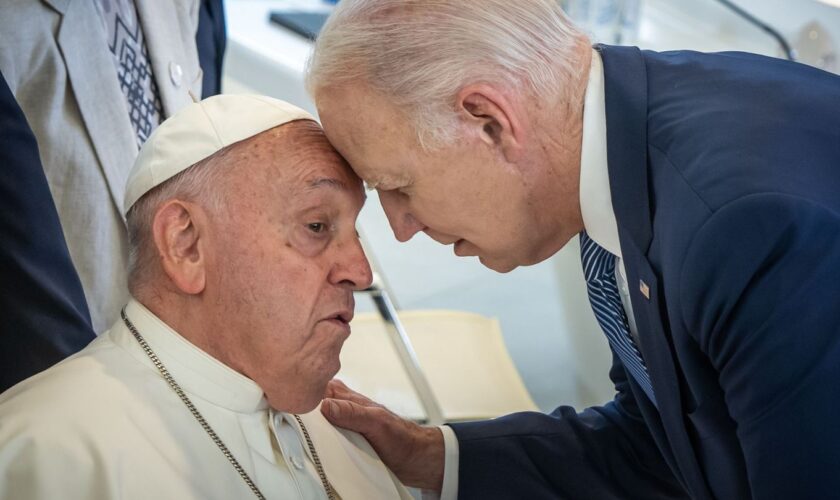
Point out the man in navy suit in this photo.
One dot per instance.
(706, 192)
(44, 314)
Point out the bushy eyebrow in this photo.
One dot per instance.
(331, 183)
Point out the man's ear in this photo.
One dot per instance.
(180, 233)
(494, 117)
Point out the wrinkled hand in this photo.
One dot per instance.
(413, 452)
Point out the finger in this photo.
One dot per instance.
(339, 384)
(414, 453)
(334, 387)
(337, 390)
(349, 415)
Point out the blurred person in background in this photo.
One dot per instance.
(94, 78)
(43, 307)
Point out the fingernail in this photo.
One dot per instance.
(334, 409)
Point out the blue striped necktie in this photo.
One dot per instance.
(599, 270)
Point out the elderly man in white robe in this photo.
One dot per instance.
(244, 259)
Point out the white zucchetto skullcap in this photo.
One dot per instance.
(198, 131)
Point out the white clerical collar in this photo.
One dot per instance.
(196, 372)
(595, 201)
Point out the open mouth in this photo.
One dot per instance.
(341, 317)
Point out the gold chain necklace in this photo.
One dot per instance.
(209, 430)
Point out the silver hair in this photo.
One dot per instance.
(202, 183)
(419, 53)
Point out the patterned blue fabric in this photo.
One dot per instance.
(599, 270)
(134, 69)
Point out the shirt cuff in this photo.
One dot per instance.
(449, 490)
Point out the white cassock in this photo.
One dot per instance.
(104, 424)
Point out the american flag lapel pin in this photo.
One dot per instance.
(645, 289)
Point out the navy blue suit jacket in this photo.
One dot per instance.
(725, 178)
(43, 313)
(211, 41)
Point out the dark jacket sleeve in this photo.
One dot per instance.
(760, 291)
(211, 41)
(42, 305)
(602, 452)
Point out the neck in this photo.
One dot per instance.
(561, 152)
(190, 318)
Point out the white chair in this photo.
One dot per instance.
(462, 355)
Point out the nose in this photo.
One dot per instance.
(353, 269)
(403, 224)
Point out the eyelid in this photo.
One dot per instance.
(327, 227)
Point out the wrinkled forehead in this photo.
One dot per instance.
(291, 153)
(295, 163)
(323, 172)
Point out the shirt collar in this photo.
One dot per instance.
(194, 370)
(595, 198)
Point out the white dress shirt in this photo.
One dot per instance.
(104, 424)
(595, 195)
(598, 219)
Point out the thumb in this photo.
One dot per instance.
(349, 415)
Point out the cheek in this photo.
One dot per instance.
(271, 301)
(297, 378)
(325, 342)
(319, 356)
(305, 361)
(285, 302)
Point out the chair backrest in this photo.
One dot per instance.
(463, 356)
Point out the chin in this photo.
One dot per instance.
(498, 266)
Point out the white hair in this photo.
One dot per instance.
(420, 53)
(202, 183)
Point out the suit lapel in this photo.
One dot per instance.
(626, 110)
(169, 30)
(92, 75)
(657, 350)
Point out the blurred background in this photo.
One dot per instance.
(543, 313)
